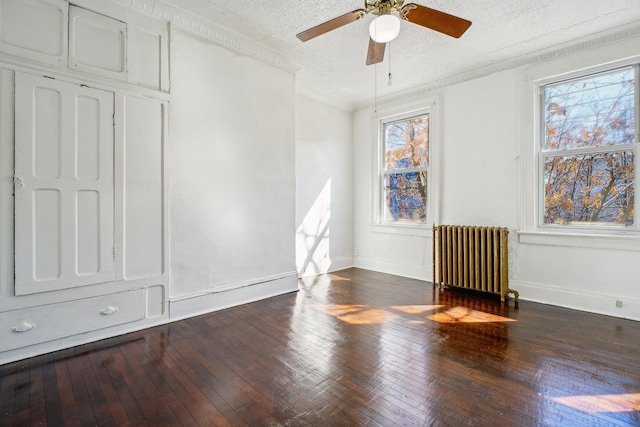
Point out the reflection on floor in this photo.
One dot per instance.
(366, 315)
(354, 348)
(603, 403)
(467, 315)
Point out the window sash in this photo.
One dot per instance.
(544, 154)
(383, 209)
(405, 170)
(386, 214)
(578, 199)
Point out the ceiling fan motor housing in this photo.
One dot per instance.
(383, 7)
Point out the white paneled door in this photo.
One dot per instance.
(64, 185)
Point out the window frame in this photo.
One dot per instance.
(428, 106)
(581, 64)
(544, 154)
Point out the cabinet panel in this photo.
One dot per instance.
(97, 44)
(47, 234)
(88, 131)
(149, 46)
(21, 328)
(35, 29)
(88, 217)
(46, 139)
(64, 215)
(148, 57)
(143, 201)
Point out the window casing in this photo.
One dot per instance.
(425, 169)
(579, 234)
(587, 150)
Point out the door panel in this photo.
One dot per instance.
(46, 230)
(64, 206)
(143, 202)
(88, 214)
(88, 130)
(46, 138)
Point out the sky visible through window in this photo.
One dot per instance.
(585, 183)
(405, 177)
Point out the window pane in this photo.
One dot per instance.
(407, 143)
(592, 188)
(594, 111)
(405, 196)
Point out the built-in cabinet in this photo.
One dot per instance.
(83, 126)
(63, 185)
(130, 47)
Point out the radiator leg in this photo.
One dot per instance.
(515, 294)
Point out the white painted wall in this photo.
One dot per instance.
(324, 187)
(232, 169)
(481, 183)
(227, 171)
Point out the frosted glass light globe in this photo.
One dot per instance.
(384, 28)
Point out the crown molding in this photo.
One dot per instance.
(554, 52)
(312, 92)
(211, 31)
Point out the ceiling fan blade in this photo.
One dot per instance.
(435, 20)
(325, 27)
(375, 54)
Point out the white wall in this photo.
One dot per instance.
(481, 183)
(227, 170)
(324, 187)
(232, 169)
(380, 248)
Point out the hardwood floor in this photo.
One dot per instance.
(355, 348)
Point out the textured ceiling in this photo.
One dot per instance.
(335, 62)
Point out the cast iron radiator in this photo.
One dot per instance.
(474, 258)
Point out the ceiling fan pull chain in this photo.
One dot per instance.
(390, 81)
(375, 89)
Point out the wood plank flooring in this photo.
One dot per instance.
(354, 348)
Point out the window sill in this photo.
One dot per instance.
(575, 240)
(402, 229)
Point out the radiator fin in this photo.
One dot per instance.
(472, 257)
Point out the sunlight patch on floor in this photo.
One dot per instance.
(338, 310)
(602, 403)
(374, 316)
(466, 315)
(358, 314)
(415, 309)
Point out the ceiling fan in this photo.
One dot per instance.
(386, 26)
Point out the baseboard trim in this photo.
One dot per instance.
(178, 310)
(411, 271)
(575, 299)
(196, 305)
(337, 264)
(578, 299)
(340, 263)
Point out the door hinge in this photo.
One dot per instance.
(18, 181)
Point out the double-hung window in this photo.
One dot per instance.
(405, 169)
(587, 151)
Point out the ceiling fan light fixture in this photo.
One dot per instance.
(384, 28)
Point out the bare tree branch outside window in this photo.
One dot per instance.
(405, 169)
(588, 150)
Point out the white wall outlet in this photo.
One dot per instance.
(619, 304)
